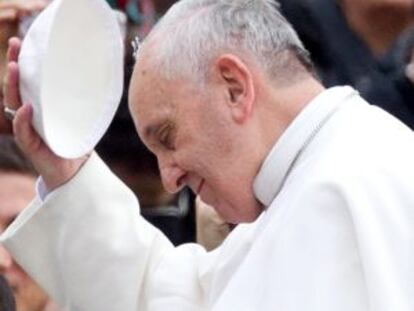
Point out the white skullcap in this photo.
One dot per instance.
(71, 71)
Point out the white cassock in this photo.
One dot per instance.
(336, 234)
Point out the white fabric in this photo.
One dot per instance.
(71, 71)
(337, 235)
(41, 189)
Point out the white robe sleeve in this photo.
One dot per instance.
(383, 223)
(90, 249)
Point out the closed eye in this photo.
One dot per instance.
(166, 134)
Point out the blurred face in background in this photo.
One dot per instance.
(16, 191)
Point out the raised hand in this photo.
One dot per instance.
(54, 170)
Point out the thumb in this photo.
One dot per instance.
(26, 137)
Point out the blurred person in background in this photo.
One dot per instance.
(7, 302)
(366, 44)
(17, 183)
(139, 16)
(142, 12)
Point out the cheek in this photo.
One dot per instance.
(217, 191)
(30, 297)
(17, 276)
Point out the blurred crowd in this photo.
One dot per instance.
(366, 44)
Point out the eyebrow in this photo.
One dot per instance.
(150, 130)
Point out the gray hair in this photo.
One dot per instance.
(194, 32)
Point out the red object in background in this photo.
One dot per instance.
(122, 4)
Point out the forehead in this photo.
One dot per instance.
(148, 98)
(152, 97)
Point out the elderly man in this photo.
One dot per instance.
(223, 93)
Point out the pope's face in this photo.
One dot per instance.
(196, 142)
(16, 191)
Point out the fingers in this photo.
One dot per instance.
(25, 135)
(11, 87)
(30, 7)
(11, 79)
(25, 6)
(12, 10)
(14, 49)
(54, 170)
(8, 15)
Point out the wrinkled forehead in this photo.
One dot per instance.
(150, 96)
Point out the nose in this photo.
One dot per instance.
(6, 260)
(172, 176)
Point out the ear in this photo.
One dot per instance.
(238, 83)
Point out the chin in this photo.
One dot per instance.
(241, 210)
(237, 216)
(245, 219)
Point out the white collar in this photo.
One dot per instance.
(280, 160)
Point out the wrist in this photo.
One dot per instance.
(61, 173)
